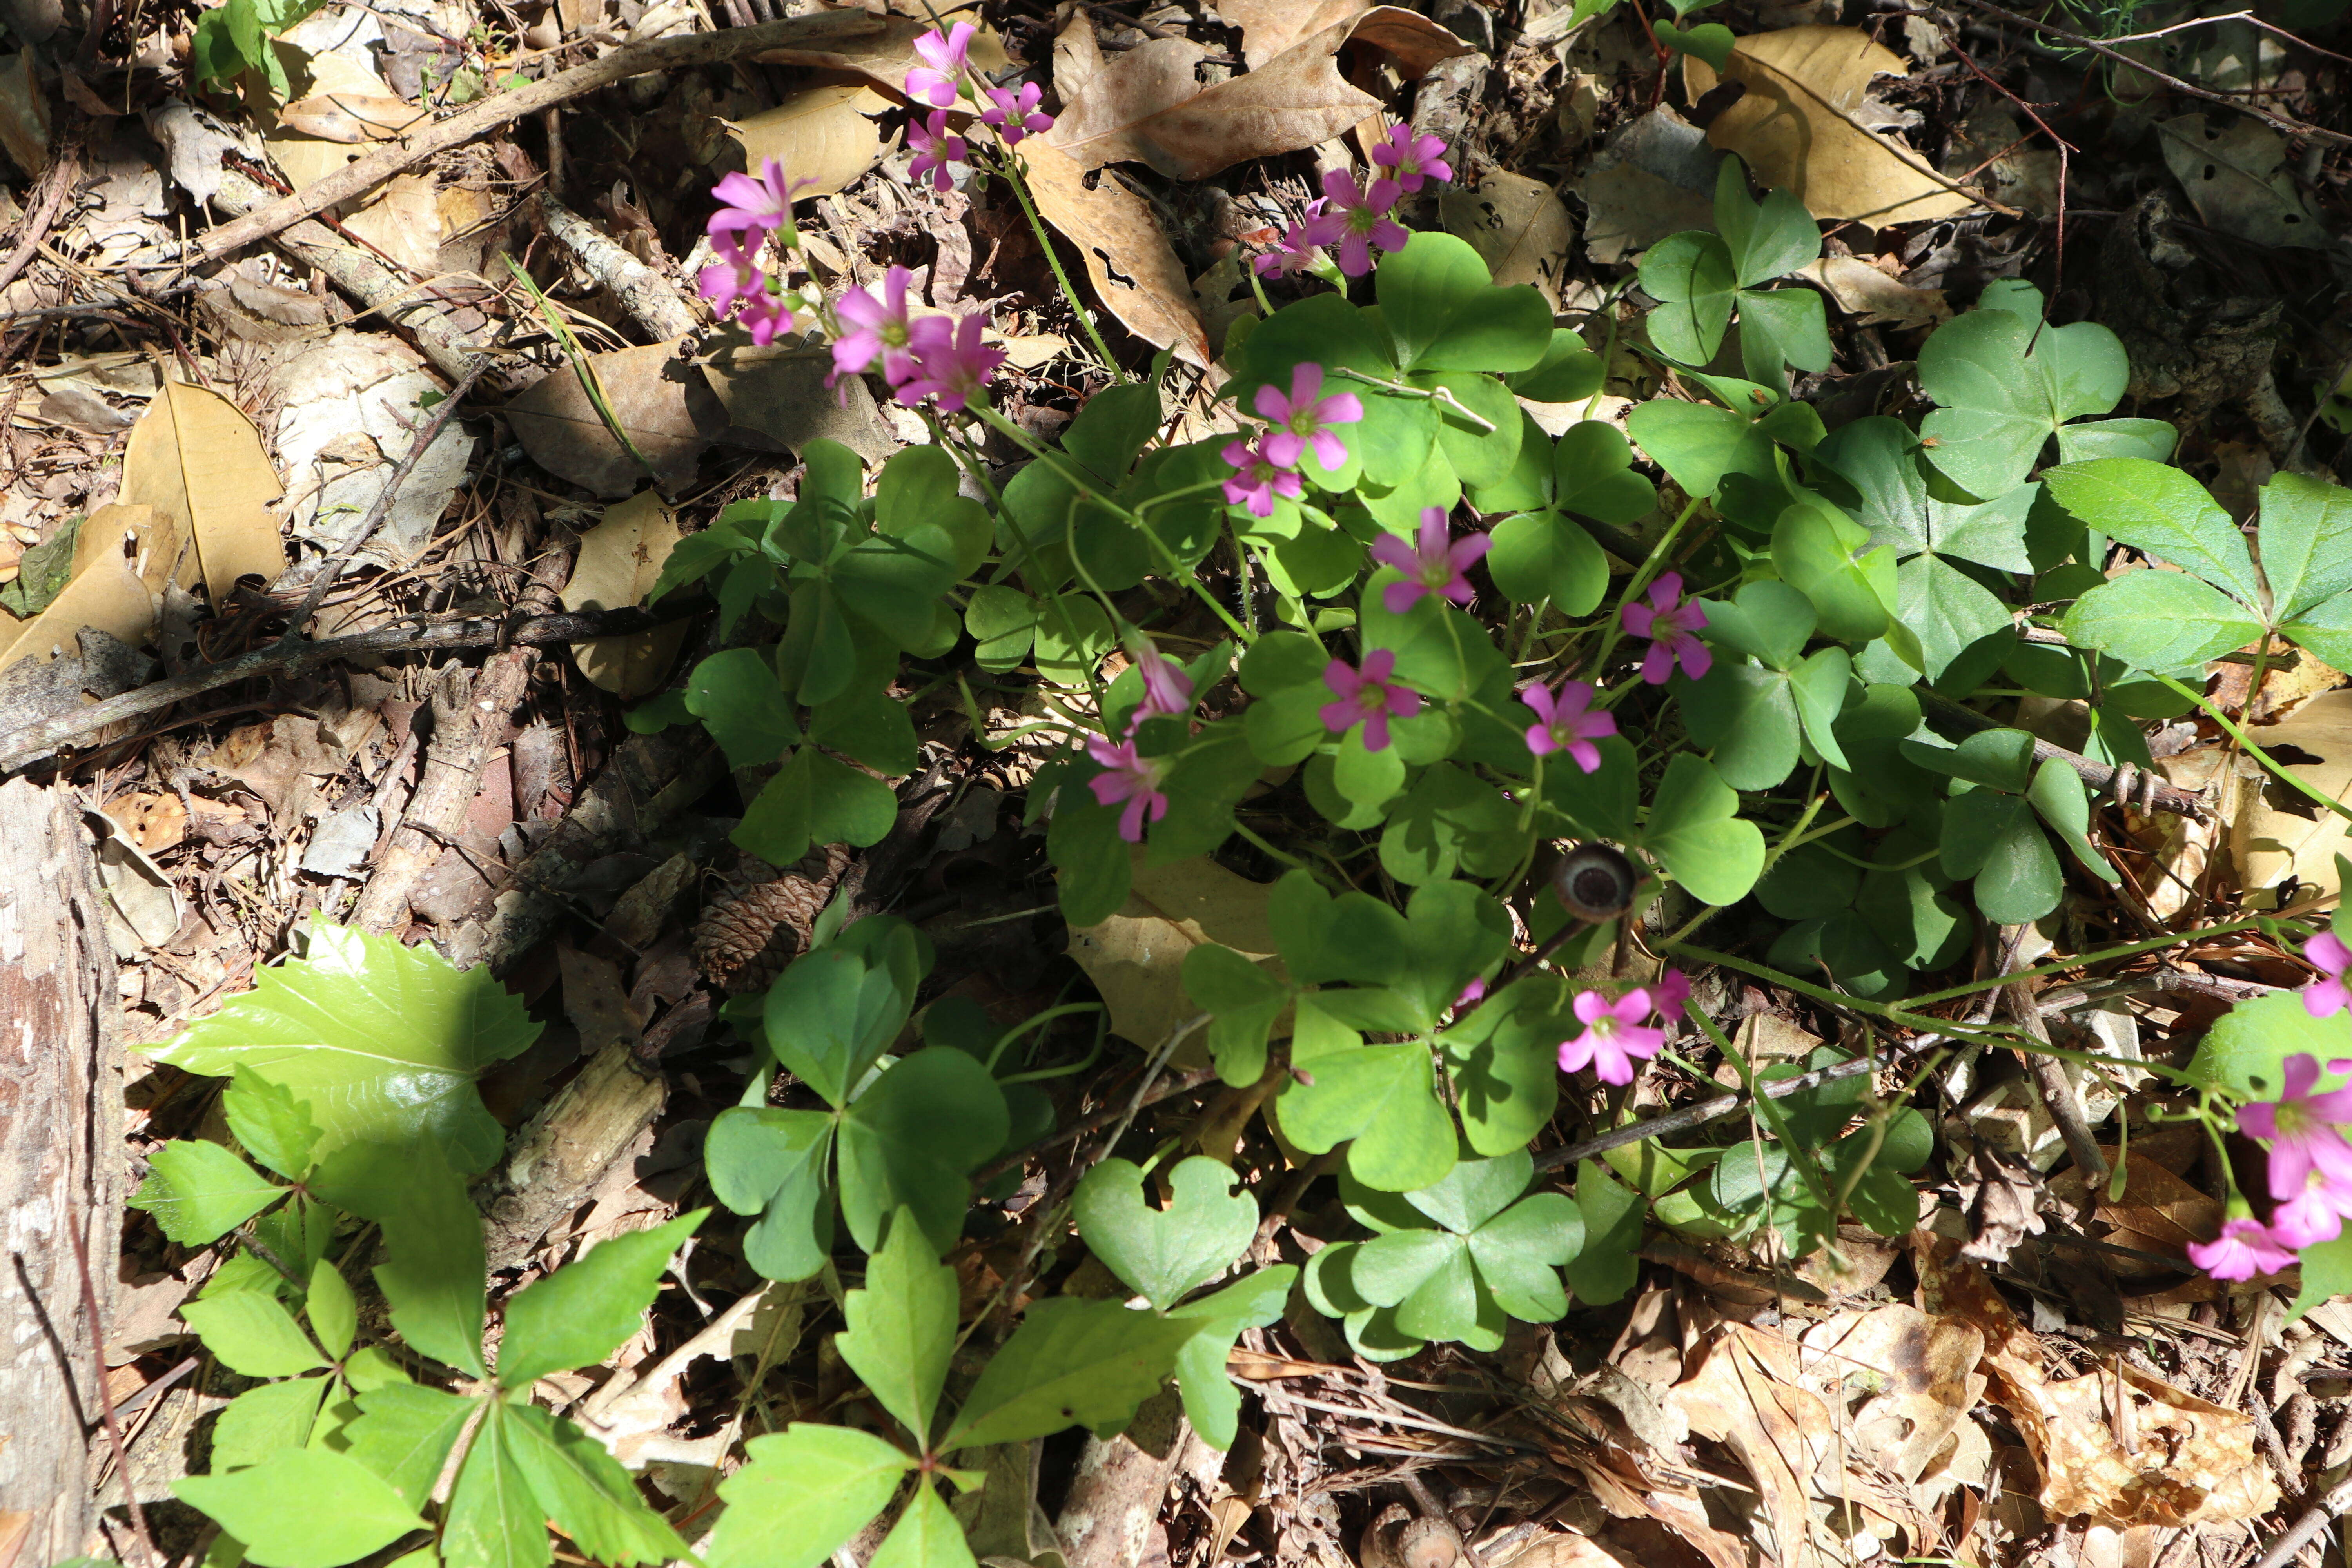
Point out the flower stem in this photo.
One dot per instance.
(1019, 183)
(1442, 396)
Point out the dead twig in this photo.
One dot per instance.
(41, 210)
(506, 108)
(419, 635)
(2136, 787)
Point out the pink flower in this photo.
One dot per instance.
(1303, 419)
(934, 149)
(762, 204)
(733, 277)
(1615, 1035)
(1471, 994)
(2242, 1250)
(1297, 251)
(1410, 159)
(1429, 565)
(766, 317)
(1366, 696)
(1364, 220)
(2326, 997)
(2301, 1129)
(2307, 1219)
(950, 361)
(1129, 778)
(1566, 725)
(941, 82)
(1670, 991)
(1669, 625)
(1257, 478)
(1167, 690)
(1017, 114)
(884, 330)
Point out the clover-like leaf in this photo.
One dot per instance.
(382, 1042)
(1692, 277)
(814, 799)
(1468, 1250)
(776, 1164)
(1163, 1253)
(2008, 384)
(1694, 829)
(913, 1140)
(1997, 839)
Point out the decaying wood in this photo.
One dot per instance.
(564, 1151)
(61, 1107)
(653, 301)
(1114, 1501)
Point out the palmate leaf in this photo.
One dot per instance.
(805, 1491)
(252, 1333)
(199, 1192)
(2008, 384)
(434, 1273)
(585, 1491)
(902, 1326)
(576, 1315)
(382, 1042)
(267, 1420)
(304, 1507)
(404, 1433)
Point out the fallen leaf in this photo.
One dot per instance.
(823, 135)
(1863, 291)
(779, 392)
(1135, 272)
(348, 408)
(24, 113)
(620, 560)
(596, 1002)
(193, 141)
(1799, 129)
(1656, 177)
(154, 822)
(886, 57)
(305, 159)
(1910, 1378)
(348, 116)
(1136, 958)
(1746, 1392)
(197, 460)
(1520, 227)
(658, 397)
(1990, 150)
(2238, 181)
(1148, 106)
(2278, 834)
(403, 224)
(141, 893)
(1270, 27)
(1077, 57)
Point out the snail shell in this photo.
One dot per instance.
(1596, 882)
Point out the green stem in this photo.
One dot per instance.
(1011, 164)
(2255, 752)
(1442, 396)
(1643, 574)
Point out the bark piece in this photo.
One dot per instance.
(61, 1093)
(564, 1151)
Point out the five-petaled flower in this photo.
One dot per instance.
(885, 331)
(1296, 252)
(1258, 479)
(1129, 778)
(1410, 159)
(2310, 1163)
(1364, 218)
(1430, 564)
(1669, 625)
(734, 276)
(935, 149)
(2242, 1250)
(1565, 723)
(938, 81)
(1669, 991)
(762, 204)
(1167, 690)
(2325, 996)
(1366, 697)
(1615, 1035)
(1017, 114)
(1304, 419)
(766, 317)
(952, 363)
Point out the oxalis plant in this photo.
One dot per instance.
(1554, 711)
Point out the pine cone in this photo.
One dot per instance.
(762, 920)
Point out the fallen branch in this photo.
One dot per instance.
(416, 634)
(506, 108)
(1700, 1113)
(2133, 786)
(2314, 1519)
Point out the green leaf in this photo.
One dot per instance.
(916, 498)
(494, 1519)
(383, 1042)
(1745, 719)
(776, 1164)
(913, 1139)
(304, 1508)
(1245, 1000)
(1592, 476)
(1070, 1362)
(1519, 1252)
(2160, 621)
(267, 1420)
(585, 1490)
(1443, 311)
(1692, 277)
(252, 1333)
(1779, 328)
(804, 1493)
(1383, 1096)
(1710, 41)
(2325, 630)
(1996, 839)
(1695, 830)
(1768, 621)
(2001, 403)
(1163, 1253)
(1541, 556)
(870, 726)
(275, 1128)
(1607, 1265)
(434, 1274)
(1946, 609)
(1698, 444)
(1567, 373)
(1903, 506)
(575, 1316)
(2327, 1273)
(1005, 621)
(2158, 509)
(901, 1327)
(1827, 557)
(739, 700)
(2306, 539)
(1506, 1072)
(927, 1535)
(404, 1433)
(814, 799)
(1766, 240)
(831, 1015)
(1450, 819)
(199, 1192)
(334, 1315)
(1210, 1398)
(2059, 796)
(2244, 1054)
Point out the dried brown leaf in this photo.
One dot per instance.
(620, 560)
(1746, 1393)
(1800, 126)
(1517, 224)
(662, 401)
(1136, 957)
(1136, 274)
(350, 117)
(886, 57)
(777, 394)
(405, 224)
(1872, 296)
(823, 135)
(197, 460)
(1270, 27)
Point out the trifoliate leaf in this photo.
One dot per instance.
(304, 1507)
(576, 1315)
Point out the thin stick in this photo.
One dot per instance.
(506, 108)
(105, 1400)
(1699, 1114)
(414, 635)
(2314, 1518)
(383, 507)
